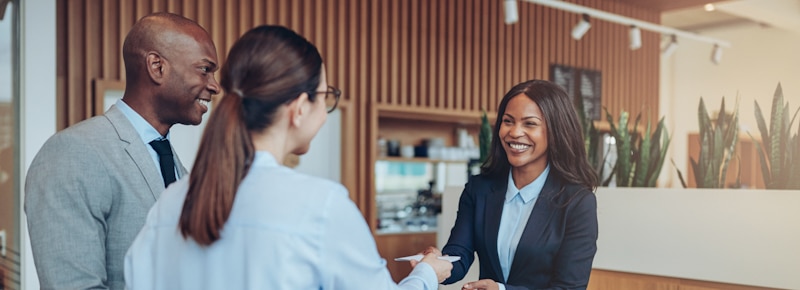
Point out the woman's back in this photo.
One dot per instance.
(286, 231)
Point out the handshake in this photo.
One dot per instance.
(442, 265)
(433, 256)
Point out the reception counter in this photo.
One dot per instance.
(745, 237)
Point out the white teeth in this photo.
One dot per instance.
(519, 146)
(204, 102)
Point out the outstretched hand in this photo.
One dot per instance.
(485, 284)
(441, 267)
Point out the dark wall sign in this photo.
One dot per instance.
(582, 85)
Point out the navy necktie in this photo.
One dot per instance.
(165, 160)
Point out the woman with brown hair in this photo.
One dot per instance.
(531, 215)
(242, 220)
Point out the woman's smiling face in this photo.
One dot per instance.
(523, 133)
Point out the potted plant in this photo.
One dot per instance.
(639, 156)
(779, 149)
(718, 140)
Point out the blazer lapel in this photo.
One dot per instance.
(494, 211)
(540, 217)
(137, 151)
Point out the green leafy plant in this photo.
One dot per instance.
(591, 139)
(485, 137)
(639, 158)
(779, 150)
(717, 146)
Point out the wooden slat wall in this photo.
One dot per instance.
(448, 54)
(442, 55)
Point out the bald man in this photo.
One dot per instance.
(91, 185)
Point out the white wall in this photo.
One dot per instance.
(751, 69)
(324, 156)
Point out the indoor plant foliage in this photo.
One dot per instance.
(484, 137)
(591, 139)
(779, 149)
(639, 158)
(718, 140)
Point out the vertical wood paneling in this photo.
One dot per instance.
(393, 25)
(484, 66)
(414, 49)
(443, 55)
(111, 43)
(62, 93)
(467, 59)
(92, 47)
(76, 84)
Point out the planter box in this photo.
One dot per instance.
(747, 237)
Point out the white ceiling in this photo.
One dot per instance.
(784, 14)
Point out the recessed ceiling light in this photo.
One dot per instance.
(709, 7)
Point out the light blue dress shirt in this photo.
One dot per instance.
(287, 230)
(146, 131)
(517, 209)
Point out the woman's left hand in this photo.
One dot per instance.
(485, 284)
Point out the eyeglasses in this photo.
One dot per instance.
(331, 98)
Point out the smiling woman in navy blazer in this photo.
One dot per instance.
(531, 215)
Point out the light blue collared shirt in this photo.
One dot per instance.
(517, 208)
(287, 230)
(146, 131)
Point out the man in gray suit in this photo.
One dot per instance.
(90, 187)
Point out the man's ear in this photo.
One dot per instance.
(298, 109)
(155, 67)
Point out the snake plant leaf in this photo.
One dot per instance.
(721, 116)
(703, 162)
(762, 157)
(639, 177)
(713, 171)
(484, 138)
(610, 176)
(623, 141)
(660, 151)
(680, 175)
(643, 160)
(762, 127)
(729, 154)
(664, 148)
(702, 117)
(775, 130)
(794, 182)
(731, 139)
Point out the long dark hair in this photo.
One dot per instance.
(565, 147)
(267, 67)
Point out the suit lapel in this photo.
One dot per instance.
(494, 211)
(137, 151)
(539, 219)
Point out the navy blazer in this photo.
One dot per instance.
(556, 248)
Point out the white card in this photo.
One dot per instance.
(418, 257)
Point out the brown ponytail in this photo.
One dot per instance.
(266, 68)
(223, 159)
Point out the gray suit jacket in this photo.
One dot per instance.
(87, 195)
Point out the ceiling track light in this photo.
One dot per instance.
(582, 27)
(511, 13)
(670, 48)
(716, 54)
(597, 14)
(635, 37)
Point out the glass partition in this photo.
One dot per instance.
(9, 145)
